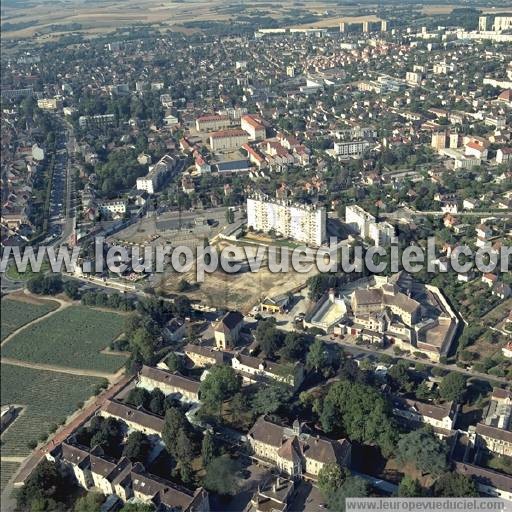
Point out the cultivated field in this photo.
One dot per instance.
(49, 398)
(7, 470)
(35, 18)
(72, 338)
(16, 313)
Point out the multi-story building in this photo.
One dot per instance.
(304, 223)
(212, 123)
(253, 126)
(157, 173)
(49, 103)
(202, 356)
(135, 419)
(255, 369)
(442, 417)
(294, 451)
(126, 480)
(98, 120)
(351, 149)
(382, 233)
(227, 330)
(502, 23)
(168, 383)
(494, 433)
(114, 207)
(438, 140)
(413, 77)
(503, 155)
(227, 140)
(359, 219)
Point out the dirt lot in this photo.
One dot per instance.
(238, 291)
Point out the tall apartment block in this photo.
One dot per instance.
(300, 222)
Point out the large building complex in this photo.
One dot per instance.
(227, 140)
(295, 451)
(304, 223)
(253, 126)
(212, 123)
(366, 226)
(157, 173)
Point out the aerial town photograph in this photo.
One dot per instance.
(256, 255)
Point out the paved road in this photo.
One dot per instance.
(357, 350)
(409, 212)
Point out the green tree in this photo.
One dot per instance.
(401, 379)
(221, 476)
(423, 449)
(453, 387)
(409, 488)
(270, 338)
(268, 398)
(91, 502)
(317, 356)
(184, 455)
(353, 487)
(72, 289)
(174, 421)
(294, 346)
(361, 412)
(455, 485)
(220, 384)
(207, 448)
(331, 478)
(137, 447)
(46, 487)
(174, 362)
(137, 507)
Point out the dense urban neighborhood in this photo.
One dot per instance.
(243, 139)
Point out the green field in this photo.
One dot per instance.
(16, 313)
(71, 338)
(48, 397)
(7, 470)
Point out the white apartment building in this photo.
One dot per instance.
(304, 223)
(254, 127)
(49, 103)
(382, 233)
(227, 140)
(359, 219)
(351, 149)
(113, 207)
(152, 181)
(413, 77)
(98, 120)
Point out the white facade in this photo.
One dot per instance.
(354, 148)
(304, 223)
(382, 233)
(157, 172)
(359, 219)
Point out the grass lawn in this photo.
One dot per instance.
(48, 397)
(7, 470)
(16, 313)
(500, 463)
(12, 272)
(73, 337)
